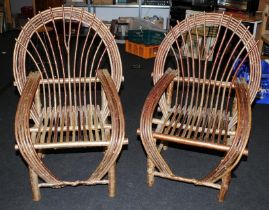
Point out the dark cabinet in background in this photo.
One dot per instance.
(40, 5)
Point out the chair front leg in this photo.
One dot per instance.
(34, 184)
(224, 186)
(112, 181)
(36, 195)
(150, 172)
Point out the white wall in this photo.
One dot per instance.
(16, 5)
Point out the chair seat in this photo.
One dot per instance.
(61, 127)
(197, 124)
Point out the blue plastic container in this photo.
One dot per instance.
(263, 95)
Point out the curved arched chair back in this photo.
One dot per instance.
(67, 45)
(209, 51)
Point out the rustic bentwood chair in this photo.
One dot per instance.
(68, 70)
(198, 100)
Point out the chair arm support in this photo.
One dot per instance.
(146, 120)
(22, 131)
(118, 125)
(240, 140)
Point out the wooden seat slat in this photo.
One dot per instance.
(54, 127)
(201, 124)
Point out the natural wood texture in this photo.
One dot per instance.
(34, 183)
(198, 99)
(8, 14)
(264, 31)
(71, 96)
(150, 172)
(262, 4)
(224, 186)
(112, 181)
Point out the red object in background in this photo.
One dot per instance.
(27, 11)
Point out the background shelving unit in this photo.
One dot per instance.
(108, 12)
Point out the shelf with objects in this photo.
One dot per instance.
(108, 10)
(244, 10)
(132, 9)
(140, 25)
(250, 21)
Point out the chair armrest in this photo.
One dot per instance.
(241, 138)
(22, 132)
(118, 125)
(146, 118)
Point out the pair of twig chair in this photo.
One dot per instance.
(69, 76)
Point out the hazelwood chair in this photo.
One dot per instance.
(198, 98)
(68, 70)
